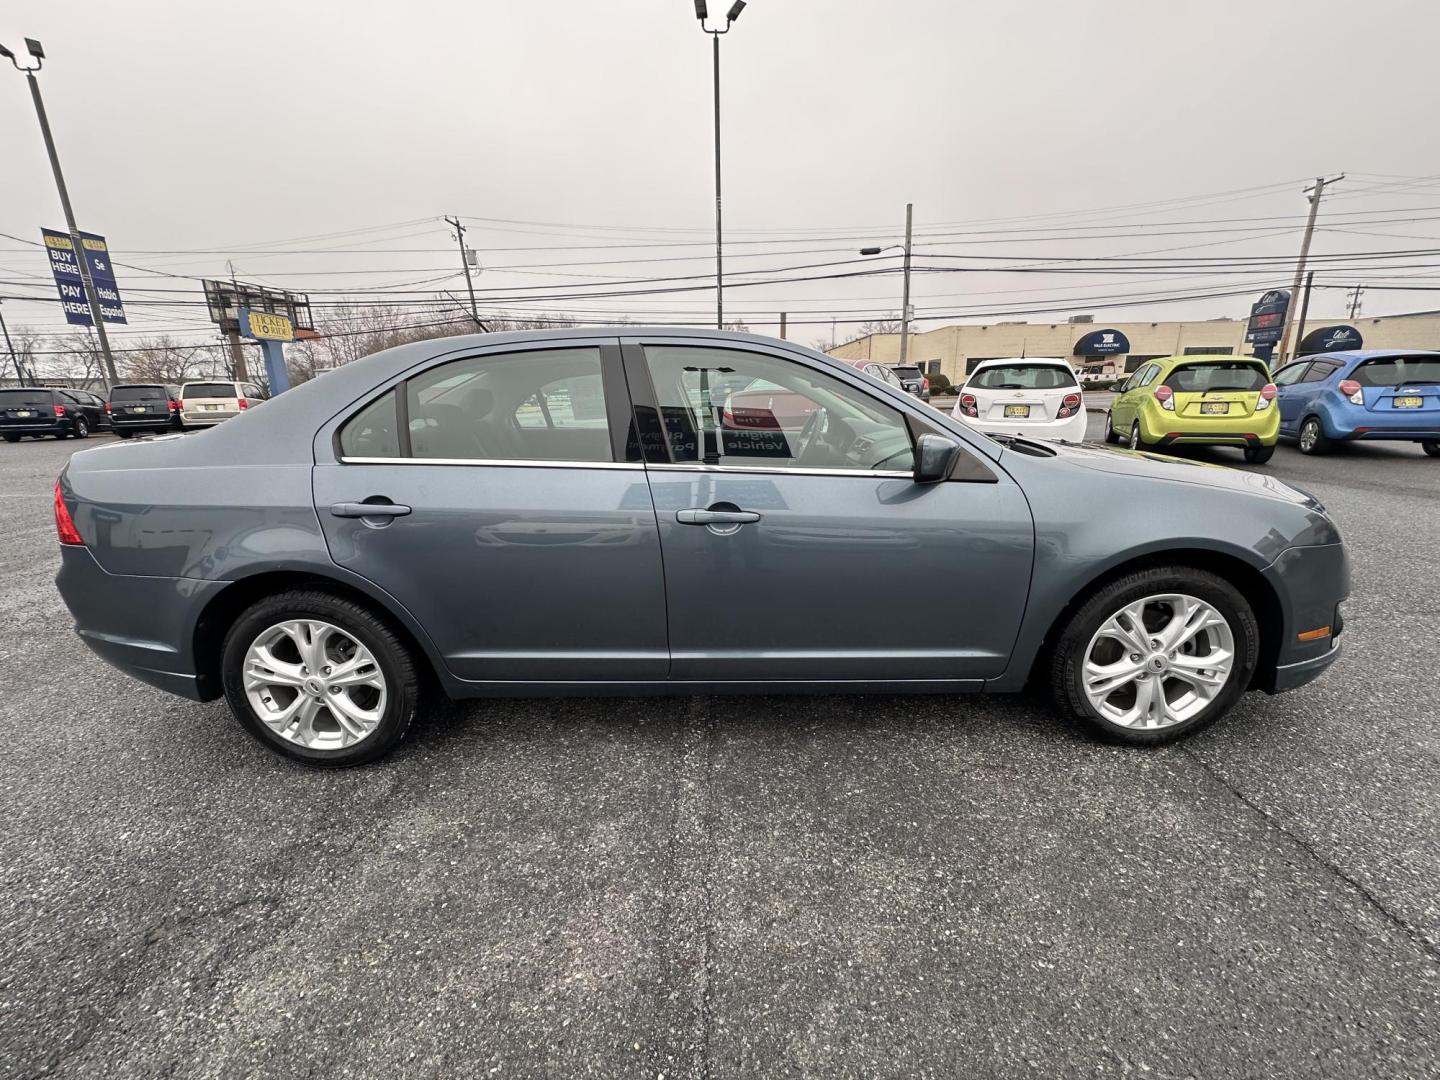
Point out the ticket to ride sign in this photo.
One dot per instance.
(65, 268)
(266, 326)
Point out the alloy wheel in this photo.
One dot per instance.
(314, 684)
(1309, 435)
(1135, 435)
(1158, 662)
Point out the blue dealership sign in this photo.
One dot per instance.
(66, 271)
(1102, 343)
(1267, 318)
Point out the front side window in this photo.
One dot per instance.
(1023, 377)
(1291, 374)
(541, 405)
(1398, 371)
(732, 408)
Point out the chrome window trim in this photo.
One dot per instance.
(523, 463)
(890, 474)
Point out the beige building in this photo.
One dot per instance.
(1115, 347)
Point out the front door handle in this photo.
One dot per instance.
(696, 516)
(368, 510)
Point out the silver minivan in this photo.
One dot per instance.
(203, 404)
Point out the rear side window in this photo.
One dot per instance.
(372, 432)
(1319, 371)
(138, 393)
(210, 390)
(1023, 377)
(1199, 378)
(1398, 370)
(20, 399)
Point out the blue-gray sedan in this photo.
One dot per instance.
(674, 511)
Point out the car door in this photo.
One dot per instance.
(1309, 387)
(1122, 409)
(802, 549)
(1286, 393)
(495, 495)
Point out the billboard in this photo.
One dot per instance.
(1267, 318)
(66, 271)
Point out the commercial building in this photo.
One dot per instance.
(1118, 347)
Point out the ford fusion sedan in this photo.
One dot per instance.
(1198, 400)
(1366, 395)
(1033, 396)
(576, 512)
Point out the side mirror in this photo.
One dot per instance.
(935, 458)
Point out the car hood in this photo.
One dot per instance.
(1142, 463)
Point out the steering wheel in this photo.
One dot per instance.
(815, 426)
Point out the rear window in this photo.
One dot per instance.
(1397, 370)
(210, 389)
(910, 372)
(1023, 377)
(137, 393)
(18, 399)
(1199, 378)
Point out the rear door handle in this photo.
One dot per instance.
(365, 510)
(716, 517)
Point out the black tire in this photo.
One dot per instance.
(81, 430)
(1110, 436)
(1431, 447)
(12, 438)
(1258, 455)
(392, 655)
(1311, 438)
(123, 434)
(1136, 442)
(1067, 659)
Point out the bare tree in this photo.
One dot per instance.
(162, 359)
(889, 325)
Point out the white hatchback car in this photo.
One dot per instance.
(1034, 396)
(204, 404)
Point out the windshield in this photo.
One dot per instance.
(1023, 377)
(1203, 378)
(19, 399)
(137, 393)
(1398, 370)
(209, 389)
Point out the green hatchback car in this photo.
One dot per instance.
(1208, 400)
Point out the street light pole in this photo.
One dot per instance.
(91, 296)
(702, 13)
(905, 288)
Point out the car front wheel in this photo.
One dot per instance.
(1431, 447)
(1155, 656)
(320, 679)
(82, 428)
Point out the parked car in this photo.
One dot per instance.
(205, 404)
(1363, 395)
(1035, 396)
(1190, 400)
(875, 370)
(37, 411)
(913, 380)
(144, 407)
(424, 515)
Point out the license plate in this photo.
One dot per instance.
(1018, 411)
(139, 408)
(24, 412)
(1214, 408)
(212, 408)
(1409, 402)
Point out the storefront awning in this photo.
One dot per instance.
(1102, 343)
(1329, 339)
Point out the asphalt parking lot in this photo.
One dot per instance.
(713, 887)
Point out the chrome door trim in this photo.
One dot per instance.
(523, 463)
(888, 474)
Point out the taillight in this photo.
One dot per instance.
(64, 523)
(107, 408)
(1069, 406)
(59, 410)
(1267, 395)
(1352, 390)
(174, 405)
(967, 405)
(925, 384)
(1166, 397)
(243, 403)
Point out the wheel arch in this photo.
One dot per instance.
(222, 609)
(1243, 574)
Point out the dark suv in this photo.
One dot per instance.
(913, 380)
(38, 411)
(144, 407)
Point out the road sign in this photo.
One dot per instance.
(1267, 318)
(66, 271)
(266, 326)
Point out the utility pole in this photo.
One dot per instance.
(1355, 300)
(238, 370)
(465, 265)
(783, 316)
(905, 291)
(91, 296)
(14, 356)
(1314, 195)
(1304, 308)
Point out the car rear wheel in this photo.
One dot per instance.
(122, 433)
(1431, 447)
(1155, 656)
(1312, 439)
(1110, 436)
(1135, 441)
(320, 679)
(1258, 455)
(82, 428)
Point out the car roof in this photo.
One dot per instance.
(1044, 361)
(1364, 354)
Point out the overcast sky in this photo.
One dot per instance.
(579, 133)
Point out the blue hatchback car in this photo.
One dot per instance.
(1364, 394)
